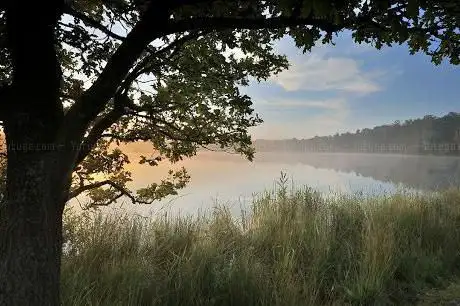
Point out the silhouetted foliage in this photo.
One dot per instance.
(2, 169)
(2, 179)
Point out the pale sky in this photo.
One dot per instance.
(348, 86)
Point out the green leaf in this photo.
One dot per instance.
(413, 8)
(307, 8)
(322, 8)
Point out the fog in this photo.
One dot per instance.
(222, 178)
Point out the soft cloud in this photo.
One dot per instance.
(310, 126)
(314, 117)
(326, 104)
(318, 73)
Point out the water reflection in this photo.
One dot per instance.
(419, 172)
(231, 180)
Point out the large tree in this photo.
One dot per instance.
(77, 75)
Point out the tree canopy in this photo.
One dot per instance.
(170, 72)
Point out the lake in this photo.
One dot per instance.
(230, 179)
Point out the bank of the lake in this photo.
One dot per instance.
(293, 248)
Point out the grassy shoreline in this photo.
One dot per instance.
(293, 248)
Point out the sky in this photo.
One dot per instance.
(348, 87)
(342, 88)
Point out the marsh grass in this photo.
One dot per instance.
(293, 247)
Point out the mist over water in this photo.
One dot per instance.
(222, 178)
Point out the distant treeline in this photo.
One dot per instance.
(428, 135)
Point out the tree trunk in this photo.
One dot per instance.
(38, 172)
(31, 229)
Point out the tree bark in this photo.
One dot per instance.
(38, 171)
(31, 228)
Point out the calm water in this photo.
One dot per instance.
(232, 180)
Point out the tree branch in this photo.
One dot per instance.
(4, 103)
(123, 192)
(223, 23)
(83, 188)
(93, 101)
(99, 127)
(181, 41)
(127, 138)
(144, 66)
(91, 22)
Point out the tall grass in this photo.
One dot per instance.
(292, 248)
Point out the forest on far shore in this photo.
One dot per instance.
(427, 135)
